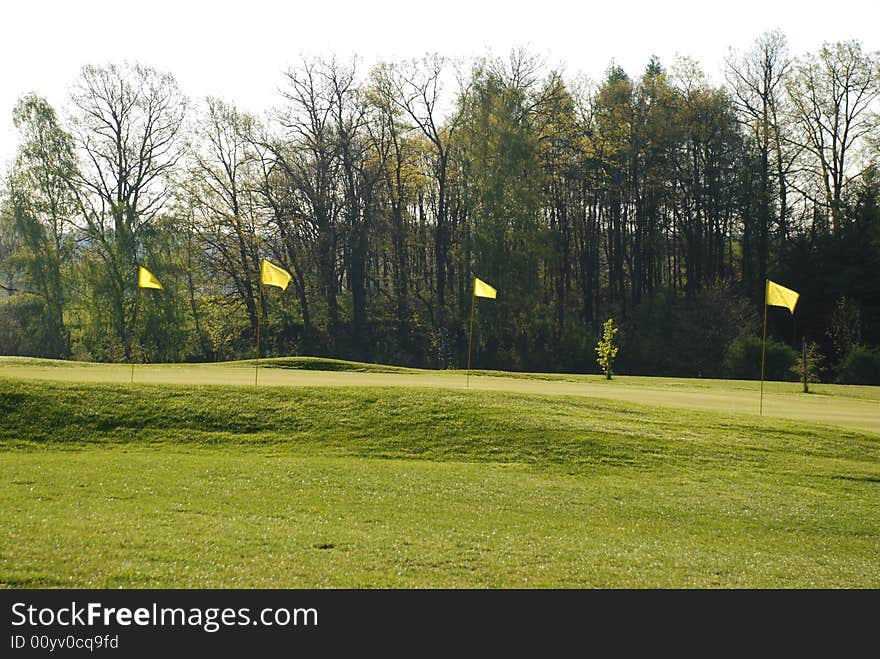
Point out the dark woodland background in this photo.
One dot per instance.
(658, 200)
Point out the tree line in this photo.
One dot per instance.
(662, 201)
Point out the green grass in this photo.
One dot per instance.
(851, 407)
(406, 485)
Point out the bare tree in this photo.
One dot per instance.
(757, 79)
(127, 122)
(360, 172)
(307, 154)
(280, 201)
(393, 141)
(220, 186)
(418, 88)
(832, 93)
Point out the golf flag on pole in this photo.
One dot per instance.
(272, 275)
(774, 296)
(482, 289)
(780, 296)
(147, 280)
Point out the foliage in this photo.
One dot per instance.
(606, 349)
(42, 204)
(742, 360)
(23, 330)
(667, 334)
(815, 364)
(861, 365)
(660, 199)
(845, 330)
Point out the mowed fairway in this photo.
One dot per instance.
(395, 478)
(854, 407)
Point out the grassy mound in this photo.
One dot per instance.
(210, 486)
(846, 406)
(326, 364)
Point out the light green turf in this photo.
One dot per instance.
(848, 406)
(149, 485)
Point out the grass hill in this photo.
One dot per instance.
(402, 482)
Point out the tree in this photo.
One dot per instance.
(43, 204)
(127, 122)
(612, 145)
(221, 190)
(360, 170)
(307, 155)
(809, 367)
(398, 150)
(655, 137)
(757, 79)
(833, 92)
(606, 349)
(418, 88)
(288, 235)
(845, 330)
(705, 178)
(656, 199)
(502, 192)
(9, 242)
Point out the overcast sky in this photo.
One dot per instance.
(237, 50)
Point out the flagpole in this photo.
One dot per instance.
(763, 344)
(137, 299)
(259, 309)
(470, 337)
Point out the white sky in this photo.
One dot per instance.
(237, 50)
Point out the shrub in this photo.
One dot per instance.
(815, 365)
(605, 348)
(25, 330)
(742, 360)
(668, 333)
(861, 365)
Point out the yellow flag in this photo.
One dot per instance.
(482, 289)
(272, 275)
(147, 280)
(780, 296)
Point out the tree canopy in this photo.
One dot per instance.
(660, 200)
